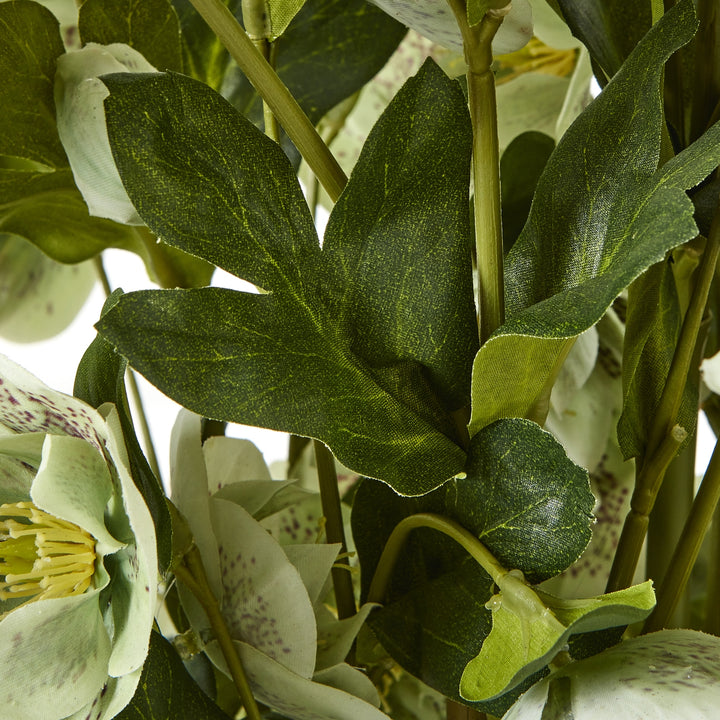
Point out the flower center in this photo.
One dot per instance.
(41, 556)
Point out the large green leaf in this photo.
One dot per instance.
(601, 215)
(308, 356)
(166, 690)
(151, 27)
(610, 29)
(100, 378)
(519, 493)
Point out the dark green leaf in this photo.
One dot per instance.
(602, 214)
(166, 691)
(521, 165)
(100, 378)
(610, 29)
(329, 51)
(520, 493)
(30, 43)
(151, 27)
(346, 347)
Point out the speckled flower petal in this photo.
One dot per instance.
(335, 637)
(28, 405)
(20, 456)
(134, 568)
(294, 696)
(350, 680)
(314, 563)
(435, 20)
(73, 483)
(264, 600)
(54, 659)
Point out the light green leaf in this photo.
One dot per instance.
(366, 346)
(65, 642)
(39, 297)
(150, 27)
(672, 673)
(530, 628)
(279, 14)
(167, 691)
(569, 265)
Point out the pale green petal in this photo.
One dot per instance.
(39, 297)
(262, 498)
(26, 447)
(28, 405)
(73, 483)
(672, 674)
(314, 563)
(294, 696)
(20, 455)
(134, 568)
(53, 659)
(232, 460)
(79, 96)
(264, 600)
(435, 20)
(113, 698)
(189, 491)
(350, 680)
(550, 28)
(711, 372)
(335, 637)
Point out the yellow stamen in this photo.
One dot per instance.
(42, 556)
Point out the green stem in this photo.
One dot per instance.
(477, 46)
(192, 574)
(334, 529)
(132, 383)
(688, 547)
(283, 105)
(395, 543)
(663, 441)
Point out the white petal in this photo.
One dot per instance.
(114, 697)
(53, 657)
(314, 563)
(335, 637)
(350, 680)
(79, 96)
(264, 600)
(232, 460)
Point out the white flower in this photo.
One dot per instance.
(271, 595)
(79, 96)
(78, 566)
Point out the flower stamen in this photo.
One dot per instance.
(42, 556)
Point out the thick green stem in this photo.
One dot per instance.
(334, 529)
(477, 45)
(664, 440)
(192, 574)
(283, 105)
(688, 547)
(396, 542)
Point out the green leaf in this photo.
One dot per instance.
(602, 214)
(329, 51)
(166, 690)
(520, 493)
(30, 43)
(100, 378)
(610, 29)
(530, 628)
(279, 13)
(520, 168)
(345, 347)
(150, 27)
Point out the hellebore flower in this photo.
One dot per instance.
(79, 96)
(78, 566)
(270, 594)
(435, 20)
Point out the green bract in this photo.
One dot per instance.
(271, 595)
(79, 96)
(77, 557)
